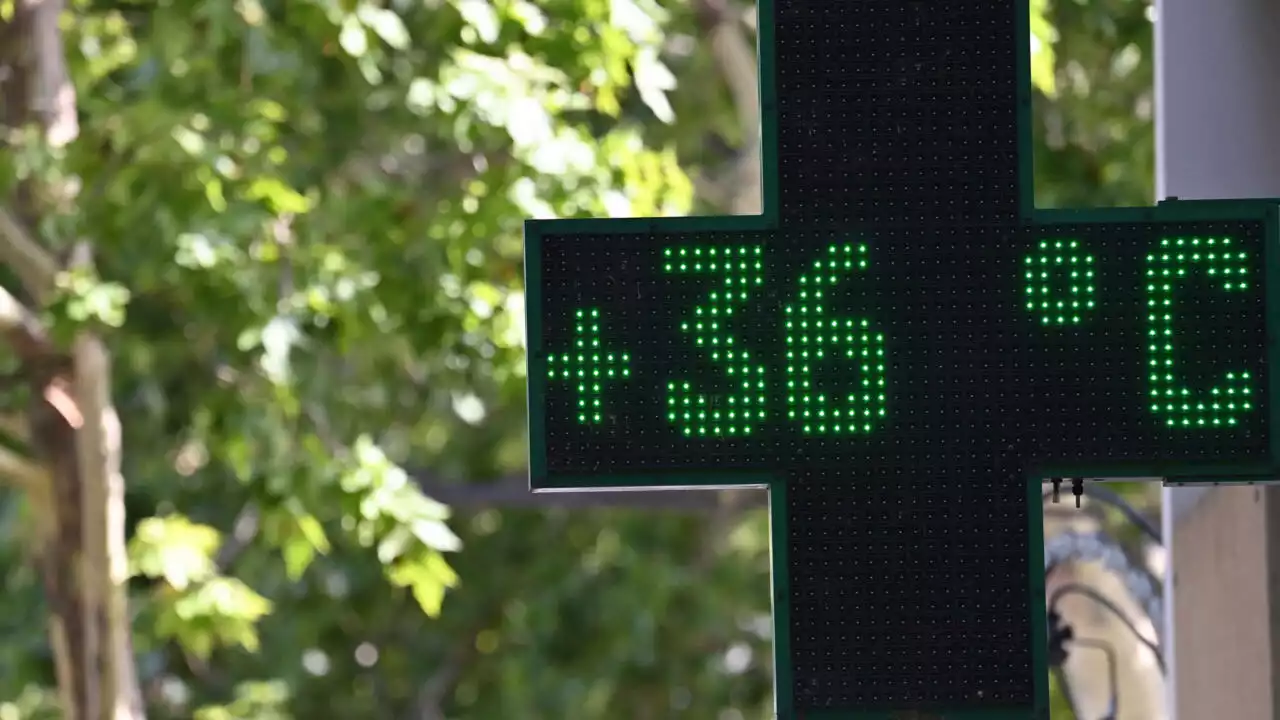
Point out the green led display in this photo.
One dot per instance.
(1059, 282)
(1166, 268)
(739, 411)
(589, 365)
(1059, 288)
(813, 337)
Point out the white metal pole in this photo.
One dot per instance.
(1217, 117)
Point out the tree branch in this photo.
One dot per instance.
(738, 189)
(244, 530)
(513, 492)
(34, 266)
(97, 446)
(16, 427)
(428, 705)
(22, 328)
(74, 428)
(21, 472)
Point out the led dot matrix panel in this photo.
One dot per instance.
(899, 348)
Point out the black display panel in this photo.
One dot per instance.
(1112, 348)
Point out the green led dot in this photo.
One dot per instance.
(1069, 284)
(735, 273)
(801, 378)
(598, 364)
(1193, 411)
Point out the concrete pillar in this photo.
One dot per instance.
(1218, 136)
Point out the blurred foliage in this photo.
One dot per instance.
(307, 226)
(1093, 68)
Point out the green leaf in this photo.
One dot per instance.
(653, 80)
(436, 535)
(219, 612)
(386, 24)
(1043, 62)
(482, 17)
(175, 549)
(253, 700)
(88, 299)
(279, 197)
(298, 556)
(394, 544)
(353, 37)
(428, 577)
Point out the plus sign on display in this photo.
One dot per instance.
(900, 348)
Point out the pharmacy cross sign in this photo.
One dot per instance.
(900, 348)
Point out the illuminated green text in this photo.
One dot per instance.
(1059, 282)
(814, 337)
(589, 366)
(742, 408)
(1166, 267)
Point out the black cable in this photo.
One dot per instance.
(1113, 499)
(1061, 636)
(1070, 546)
(1081, 589)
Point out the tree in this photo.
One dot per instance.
(287, 241)
(70, 422)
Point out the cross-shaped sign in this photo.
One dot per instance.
(900, 348)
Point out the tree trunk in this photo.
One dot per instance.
(76, 490)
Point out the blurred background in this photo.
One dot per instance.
(305, 228)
